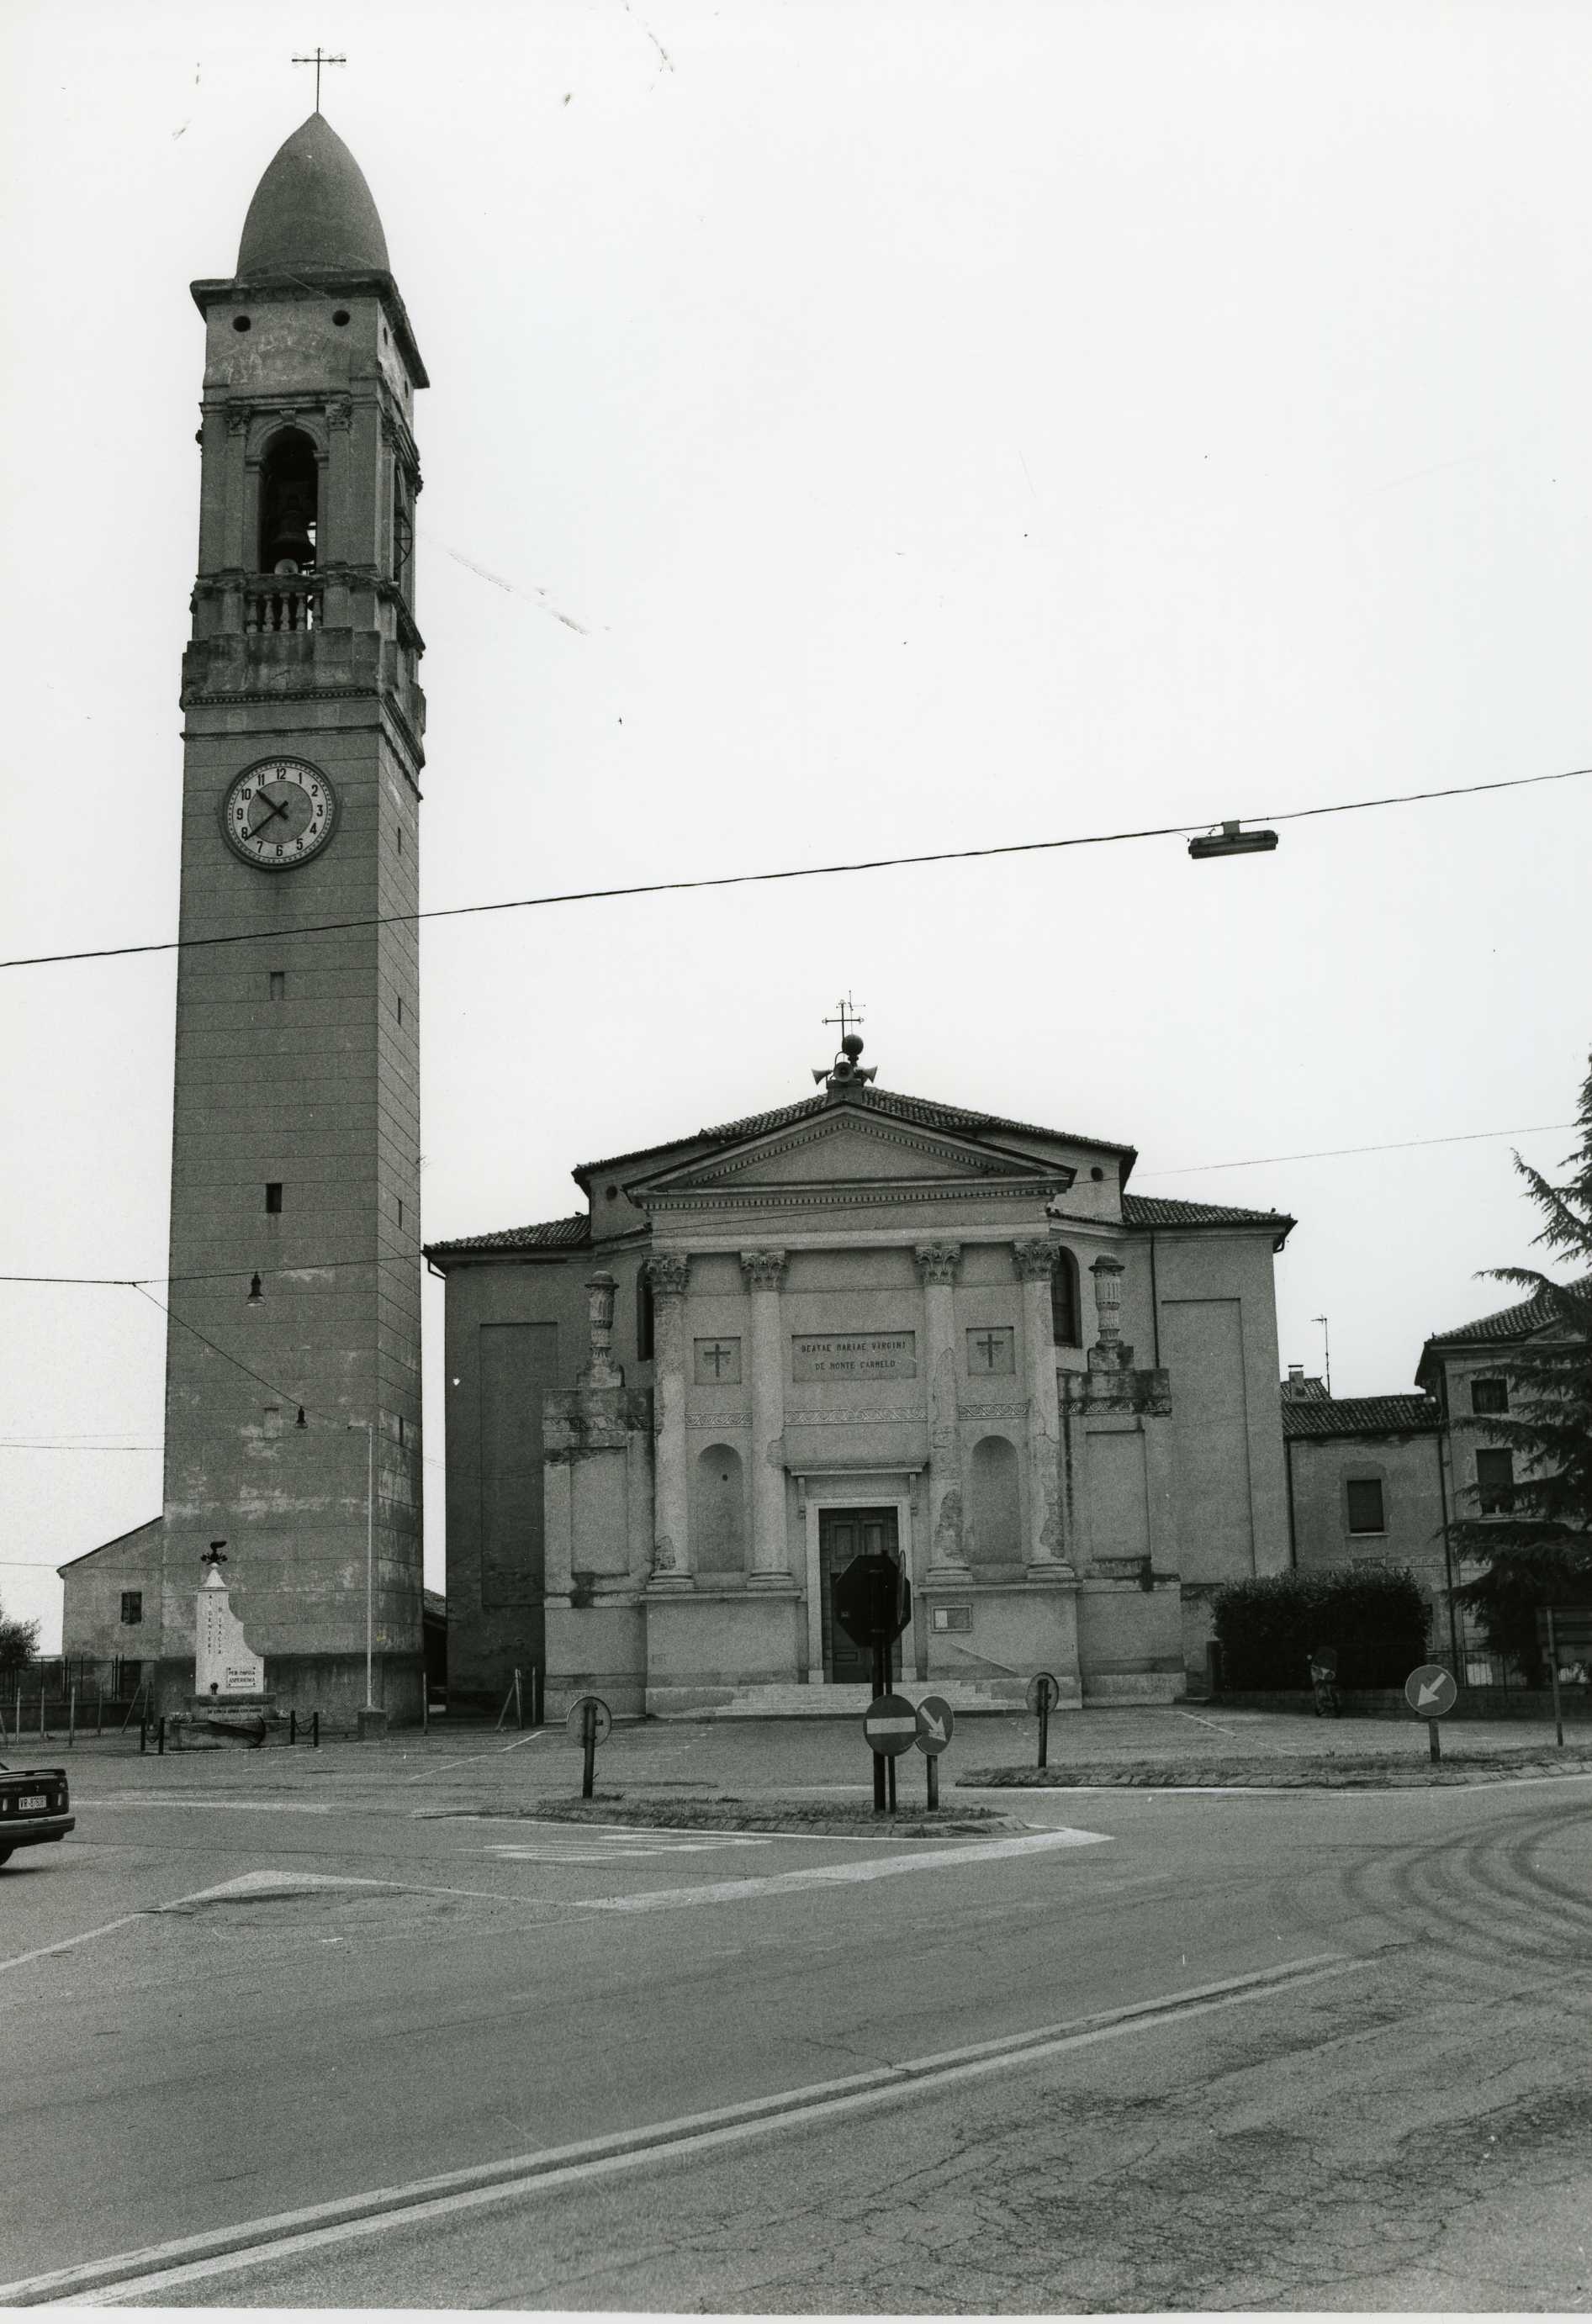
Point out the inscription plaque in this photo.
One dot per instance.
(853, 1356)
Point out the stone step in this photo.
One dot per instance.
(830, 1701)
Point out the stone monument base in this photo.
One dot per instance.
(224, 1722)
(373, 1723)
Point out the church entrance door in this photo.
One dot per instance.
(843, 1535)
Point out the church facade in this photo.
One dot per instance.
(862, 1321)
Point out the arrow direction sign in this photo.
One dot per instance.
(1431, 1690)
(935, 1723)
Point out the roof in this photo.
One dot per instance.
(1526, 1317)
(312, 207)
(434, 1604)
(1360, 1416)
(1162, 1211)
(120, 1541)
(926, 1113)
(547, 1234)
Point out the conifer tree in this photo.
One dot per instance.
(1539, 1552)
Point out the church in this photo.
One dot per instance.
(857, 1322)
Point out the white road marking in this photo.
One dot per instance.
(607, 1844)
(65, 1944)
(831, 1875)
(252, 1807)
(469, 1758)
(194, 2259)
(1217, 1723)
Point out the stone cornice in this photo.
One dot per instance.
(831, 1195)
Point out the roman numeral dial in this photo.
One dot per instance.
(279, 813)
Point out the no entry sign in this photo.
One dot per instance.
(890, 1725)
(1431, 1690)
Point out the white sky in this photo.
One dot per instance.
(949, 424)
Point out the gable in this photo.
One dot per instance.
(847, 1148)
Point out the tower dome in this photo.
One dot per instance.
(313, 208)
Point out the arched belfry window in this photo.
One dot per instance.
(1065, 1317)
(290, 505)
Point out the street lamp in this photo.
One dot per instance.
(1230, 841)
(369, 1428)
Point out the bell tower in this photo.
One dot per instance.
(292, 1358)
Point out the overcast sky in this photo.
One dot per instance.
(947, 425)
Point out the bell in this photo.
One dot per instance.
(289, 547)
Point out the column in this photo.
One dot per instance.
(1108, 1349)
(765, 1271)
(1035, 1262)
(669, 1273)
(936, 1269)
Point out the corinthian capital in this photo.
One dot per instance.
(937, 1261)
(669, 1272)
(1035, 1261)
(764, 1270)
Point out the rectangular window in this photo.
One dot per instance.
(132, 1607)
(644, 1318)
(1489, 1396)
(279, 985)
(1365, 1513)
(273, 1193)
(1494, 1483)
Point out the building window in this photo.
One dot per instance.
(1489, 1396)
(273, 1193)
(1365, 1512)
(278, 984)
(290, 479)
(644, 1318)
(274, 1420)
(1494, 1483)
(132, 1607)
(1064, 1303)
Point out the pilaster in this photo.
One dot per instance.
(669, 1273)
(764, 1272)
(1035, 1263)
(937, 1269)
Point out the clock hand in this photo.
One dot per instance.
(270, 810)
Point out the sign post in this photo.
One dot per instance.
(589, 1722)
(1044, 1694)
(1429, 1691)
(936, 1725)
(873, 1603)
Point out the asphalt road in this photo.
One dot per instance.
(1312, 2050)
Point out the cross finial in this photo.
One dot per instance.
(318, 60)
(849, 1014)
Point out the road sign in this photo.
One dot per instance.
(890, 1725)
(1431, 1690)
(872, 1600)
(575, 1724)
(1044, 1693)
(936, 1725)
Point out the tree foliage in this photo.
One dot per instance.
(1539, 1551)
(1373, 1615)
(17, 1641)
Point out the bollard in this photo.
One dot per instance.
(315, 1730)
(1553, 1675)
(160, 1741)
(99, 1711)
(73, 1719)
(143, 1733)
(293, 1726)
(519, 1704)
(1434, 1730)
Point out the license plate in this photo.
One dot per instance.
(32, 1799)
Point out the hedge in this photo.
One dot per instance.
(1375, 1614)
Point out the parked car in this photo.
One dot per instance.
(33, 1804)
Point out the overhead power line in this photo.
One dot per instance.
(1331, 1153)
(790, 871)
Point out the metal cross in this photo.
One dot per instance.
(318, 60)
(718, 1356)
(989, 1343)
(849, 1014)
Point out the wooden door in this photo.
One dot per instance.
(843, 1535)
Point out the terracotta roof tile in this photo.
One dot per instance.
(1360, 1416)
(1516, 1322)
(548, 1234)
(1162, 1211)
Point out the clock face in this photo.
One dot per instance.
(279, 813)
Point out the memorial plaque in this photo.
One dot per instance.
(992, 1348)
(953, 1617)
(716, 1363)
(866, 1356)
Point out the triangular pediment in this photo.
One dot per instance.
(850, 1147)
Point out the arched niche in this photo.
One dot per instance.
(1066, 1306)
(993, 1535)
(718, 1526)
(289, 503)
